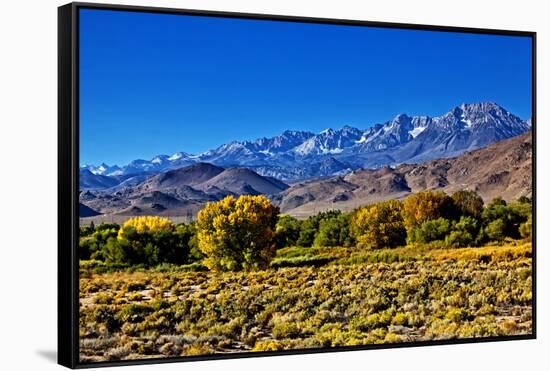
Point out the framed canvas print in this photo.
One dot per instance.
(237, 185)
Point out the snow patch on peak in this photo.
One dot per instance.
(466, 121)
(175, 156)
(417, 130)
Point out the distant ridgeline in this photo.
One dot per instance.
(476, 146)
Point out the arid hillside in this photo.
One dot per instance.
(501, 169)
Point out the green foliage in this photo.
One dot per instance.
(524, 200)
(302, 261)
(310, 227)
(459, 239)
(308, 230)
(244, 233)
(431, 230)
(236, 234)
(496, 230)
(106, 226)
(468, 203)
(91, 245)
(503, 220)
(526, 229)
(463, 233)
(287, 231)
(149, 247)
(334, 231)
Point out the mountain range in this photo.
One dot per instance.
(298, 155)
(500, 169)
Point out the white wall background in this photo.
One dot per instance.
(28, 152)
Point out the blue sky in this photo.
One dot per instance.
(156, 83)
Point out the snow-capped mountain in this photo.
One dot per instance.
(237, 153)
(464, 128)
(401, 129)
(329, 141)
(157, 164)
(294, 155)
(102, 169)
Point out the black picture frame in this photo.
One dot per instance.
(68, 174)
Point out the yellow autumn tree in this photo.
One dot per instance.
(427, 205)
(237, 234)
(379, 225)
(143, 224)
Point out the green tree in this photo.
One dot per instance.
(468, 203)
(510, 216)
(496, 230)
(237, 234)
(379, 225)
(310, 227)
(432, 230)
(287, 231)
(464, 232)
(334, 232)
(148, 241)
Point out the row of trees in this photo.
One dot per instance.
(458, 220)
(243, 233)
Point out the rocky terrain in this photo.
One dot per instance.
(500, 169)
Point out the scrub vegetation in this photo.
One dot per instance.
(244, 278)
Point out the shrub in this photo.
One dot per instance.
(428, 205)
(282, 330)
(149, 248)
(302, 261)
(379, 225)
(458, 315)
(432, 230)
(463, 232)
(459, 239)
(236, 234)
(267, 346)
